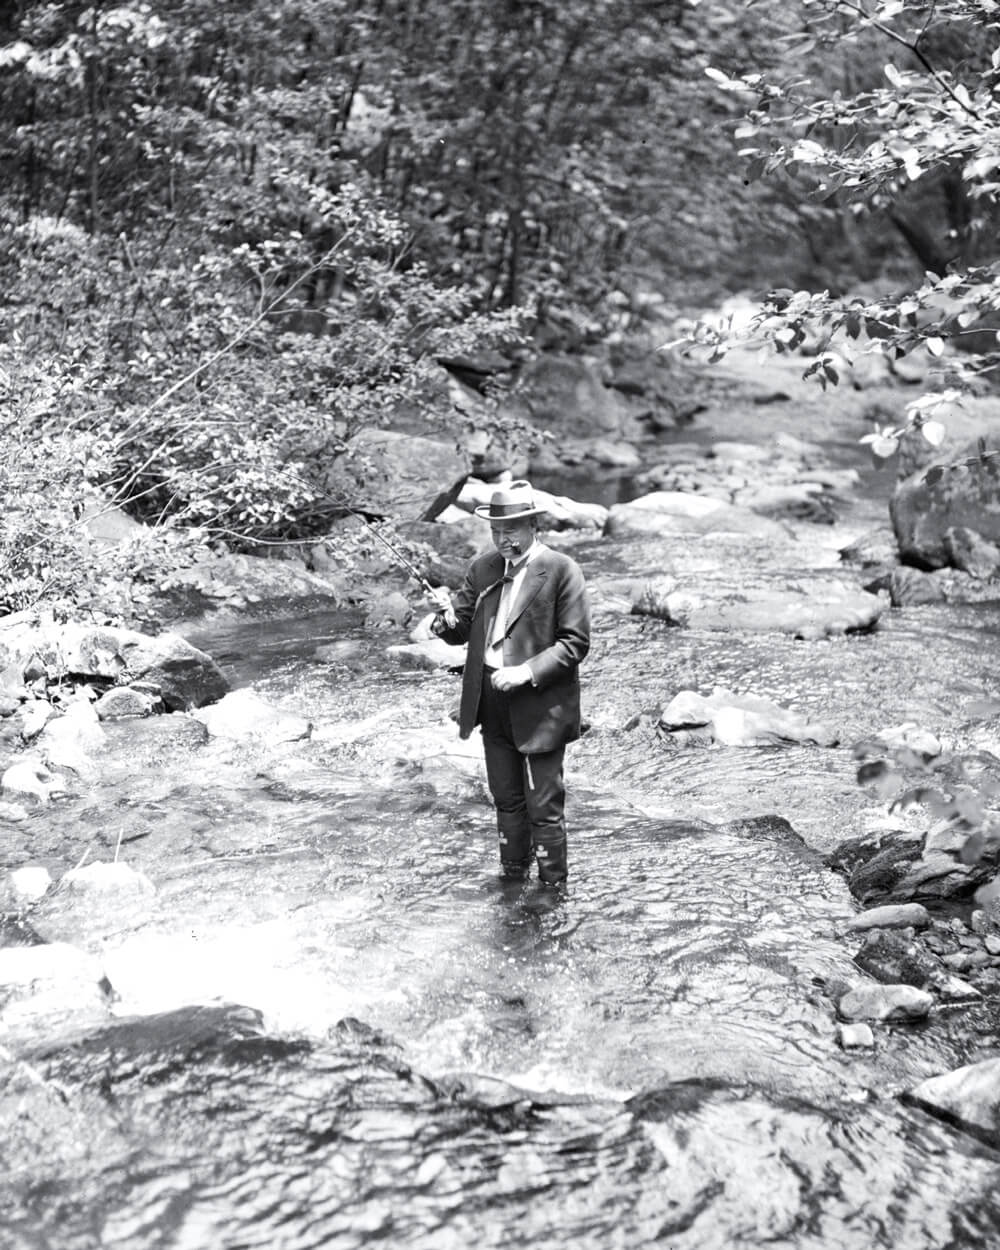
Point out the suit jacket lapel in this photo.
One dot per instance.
(534, 579)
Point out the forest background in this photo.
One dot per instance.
(235, 234)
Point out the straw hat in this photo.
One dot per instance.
(510, 503)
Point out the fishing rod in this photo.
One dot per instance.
(407, 564)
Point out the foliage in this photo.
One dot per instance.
(246, 232)
(919, 145)
(249, 231)
(960, 789)
(915, 139)
(48, 553)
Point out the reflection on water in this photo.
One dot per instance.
(435, 1059)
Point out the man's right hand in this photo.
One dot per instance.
(441, 598)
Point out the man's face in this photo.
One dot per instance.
(512, 538)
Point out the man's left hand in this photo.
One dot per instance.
(511, 677)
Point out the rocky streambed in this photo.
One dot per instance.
(262, 988)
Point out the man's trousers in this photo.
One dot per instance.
(528, 792)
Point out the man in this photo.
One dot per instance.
(523, 611)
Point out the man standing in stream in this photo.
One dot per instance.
(523, 611)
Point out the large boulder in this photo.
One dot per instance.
(386, 472)
(961, 496)
(819, 611)
(968, 1096)
(243, 715)
(185, 676)
(899, 866)
(680, 512)
(235, 583)
(885, 1002)
(567, 395)
(740, 720)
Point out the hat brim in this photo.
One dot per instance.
(484, 510)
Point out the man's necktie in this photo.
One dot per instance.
(495, 653)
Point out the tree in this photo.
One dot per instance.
(918, 146)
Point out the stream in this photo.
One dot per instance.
(334, 1027)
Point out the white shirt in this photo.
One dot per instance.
(508, 594)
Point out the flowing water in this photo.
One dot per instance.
(334, 1027)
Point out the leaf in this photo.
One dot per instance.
(933, 432)
(871, 772)
(909, 798)
(881, 776)
(884, 447)
(934, 345)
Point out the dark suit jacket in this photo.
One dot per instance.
(548, 627)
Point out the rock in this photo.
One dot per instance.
(967, 551)
(244, 715)
(856, 1036)
(898, 916)
(895, 867)
(885, 1002)
(939, 875)
(30, 779)
(742, 720)
(102, 877)
(35, 714)
(682, 512)
(962, 495)
(456, 541)
(390, 609)
(236, 582)
(27, 885)
(893, 958)
(384, 472)
(564, 393)
(909, 587)
(614, 455)
(69, 741)
(876, 549)
(740, 453)
(954, 990)
(822, 612)
(126, 701)
(803, 500)
(186, 676)
(968, 1096)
